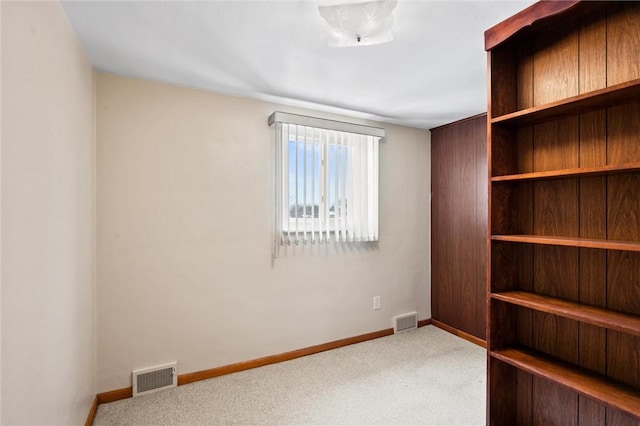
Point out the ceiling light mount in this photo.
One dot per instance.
(359, 24)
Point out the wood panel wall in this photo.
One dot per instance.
(459, 224)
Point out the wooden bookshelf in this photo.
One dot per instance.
(570, 173)
(563, 313)
(600, 317)
(570, 242)
(611, 394)
(597, 99)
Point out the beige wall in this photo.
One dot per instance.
(184, 228)
(48, 226)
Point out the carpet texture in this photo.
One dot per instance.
(424, 376)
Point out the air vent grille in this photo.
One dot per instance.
(405, 322)
(153, 379)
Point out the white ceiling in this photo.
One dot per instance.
(434, 71)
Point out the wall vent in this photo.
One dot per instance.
(405, 322)
(153, 379)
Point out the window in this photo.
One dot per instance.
(326, 181)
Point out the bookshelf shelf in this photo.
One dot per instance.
(570, 173)
(570, 242)
(613, 95)
(588, 314)
(607, 392)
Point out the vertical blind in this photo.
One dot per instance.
(326, 181)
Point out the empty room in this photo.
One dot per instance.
(308, 212)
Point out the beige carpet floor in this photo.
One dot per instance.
(425, 376)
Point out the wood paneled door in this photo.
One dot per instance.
(459, 224)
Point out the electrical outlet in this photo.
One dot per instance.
(376, 302)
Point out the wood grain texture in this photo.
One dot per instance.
(591, 385)
(556, 272)
(574, 232)
(502, 81)
(619, 418)
(441, 250)
(459, 225)
(593, 139)
(497, 34)
(522, 215)
(555, 65)
(592, 338)
(592, 52)
(570, 173)
(623, 358)
(555, 210)
(592, 342)
(623, 282)
(489, 244)
(424, 322)
(503, 330)
(623, 33)
(551, 335)
(553, 404)
(503, 151)
(466, 336)
(623, 206)
(465, 238)
(501, 389)
(481, 229)
(623, 133)
(556, 207)
(590, 413)
(92, 412)
(556, 145)
(524, 398)
(526, 275)
(115, 395)
(524, 64)
(601, 317)
(583, 103)
(524, 146)
(570, 242)
(503, 206)
(525, 332)
(592, 350)
(504, 273)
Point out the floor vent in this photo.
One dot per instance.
(405, 322)
(153, 379)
